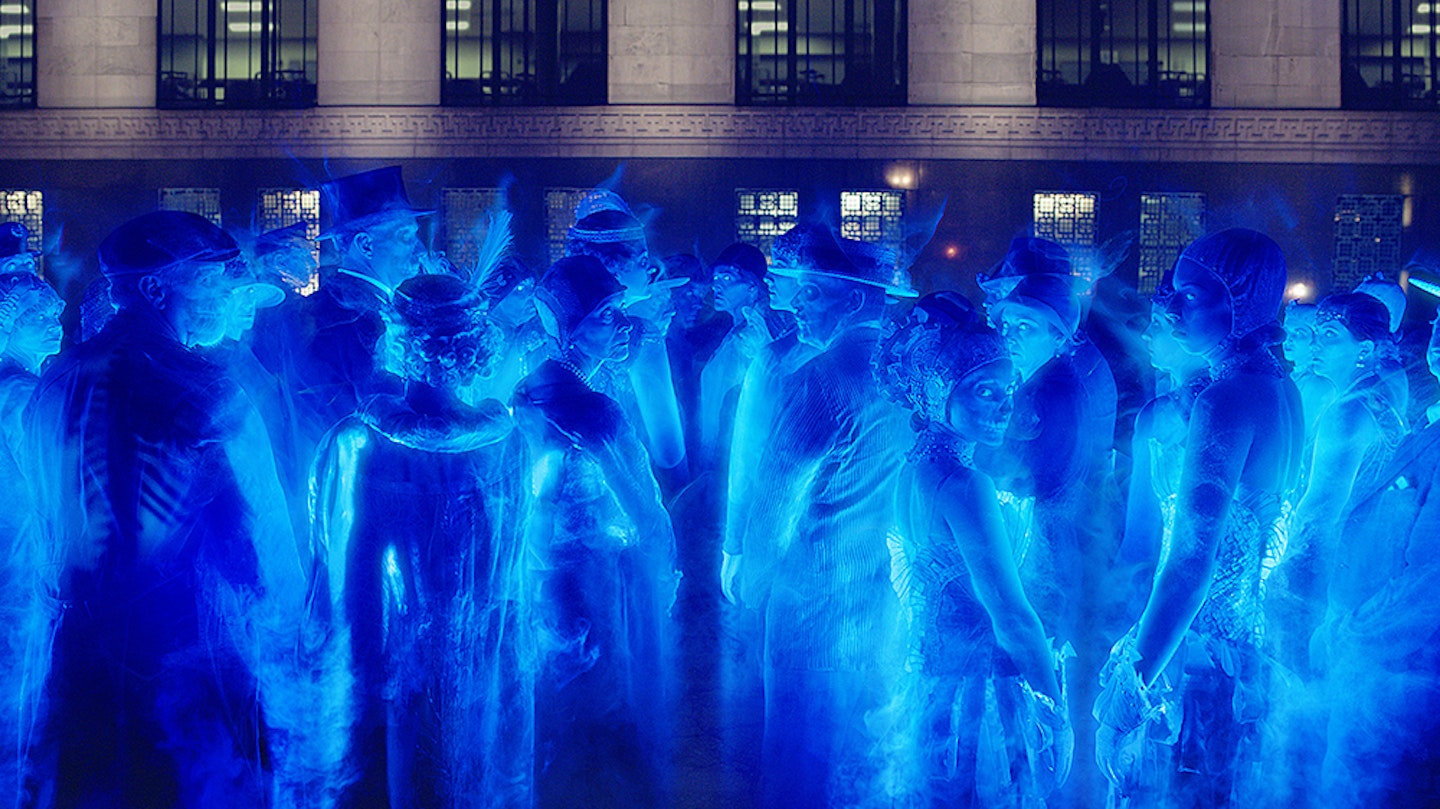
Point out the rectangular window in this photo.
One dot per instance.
(1123, 53)
(761, 214)
(877, 217)
(238, 54)
(17, 54)
(28, 208)
(464, 211)
(821, 52)
(202, 201)
(1390, 54)
(560, 215)
(524, 52)
(1065, 218)
(282, 207)
(1367, 237)
(1168, 222)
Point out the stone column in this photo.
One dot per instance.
(972, 52)
(1275, 54)
(379, 52)
(95, 53)
(672, 52)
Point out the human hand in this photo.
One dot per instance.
(754, 334)
(729, 573)
(1117, 753)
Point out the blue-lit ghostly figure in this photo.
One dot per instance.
(419, 524)
(814, 543)
(1316, 392)
(177, 577)
(30, 334)
(1158, 445)
(606, 229)
(605, 560)
(983, 714)
(1377, 646)
(15, 253)
(1194, 656)
(1354, 438)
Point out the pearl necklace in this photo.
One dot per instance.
(938, 445)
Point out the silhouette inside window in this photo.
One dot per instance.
(524, 52)
(238, 54)
(17, 54)
(820, 52)
(1123, 53)
(1391, 54)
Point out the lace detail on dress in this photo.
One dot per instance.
(1234, 610)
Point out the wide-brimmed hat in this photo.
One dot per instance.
(160, 239)
(810, 248)
(1029, 256)
(360, 200)
(15, 240)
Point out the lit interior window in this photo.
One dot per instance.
(761, 214)
(1168, 222)
(282, 207)
(1367, 236)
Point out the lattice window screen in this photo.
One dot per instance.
(1065, 218)
(28, 208)
(560, 215)
(1168, 222)
(873, 216)
(464, 210)
(1367, 237)
(761, 214)
(282, 207)
(201, 201)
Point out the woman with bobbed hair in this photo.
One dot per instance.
(985, 718)
(604, 553)
(1242, 454)
(419, 511)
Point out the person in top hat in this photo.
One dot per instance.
(167, 557)
(814, 549)
(15, 253)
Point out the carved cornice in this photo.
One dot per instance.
(983, 133)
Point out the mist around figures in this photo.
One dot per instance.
(773, 527)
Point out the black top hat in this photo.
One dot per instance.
(159, 239)
(1027, 256)
(14, 240)
(360, 200)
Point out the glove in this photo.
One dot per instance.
(1124, 708)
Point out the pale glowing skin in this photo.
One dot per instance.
(1029, 338)
(389, 251)
(194, 300)
(1338, 353)
(1201, 309)
(732, 292)
(36, 334)
(981, 402)
(604, 335)
(782, 291)
(823, 308)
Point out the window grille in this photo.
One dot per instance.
(761, 214)
(282, 207)
(524, 52)
(873, 216)
(1390, 54)
(1367, 237)
(821, 52)
(201, 201)
(17, 54)
(1168, 222)
(28, 208)
(560, 215)
(1123, 53)
(1065, 218)
(465, 221)
(242, 54)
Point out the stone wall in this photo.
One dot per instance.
(972, 52)
(672, 52)
(1275, 54)
(95, 53)
(379, 52)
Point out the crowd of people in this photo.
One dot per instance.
(422, 538)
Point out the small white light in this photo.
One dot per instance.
(759, 5)
(1419, 29)
(245, 27)
(457, 25)
(457, 5)
(14, 8)
(1186, 27)
(243, 7)
(773, 27)
(7, 31)
(1299, 291)
(1424, 8)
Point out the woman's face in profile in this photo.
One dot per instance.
(1200, 308)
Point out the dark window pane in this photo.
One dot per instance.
(1123, 53)
(524, 52)
(820, 52)
(239, 54)
(17, 54)
(1391, 58)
